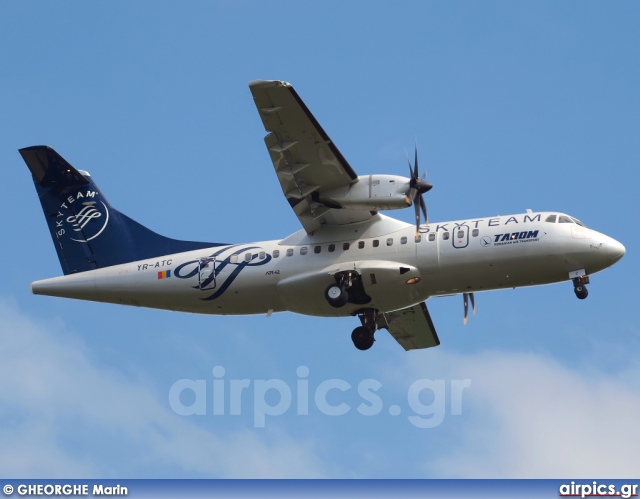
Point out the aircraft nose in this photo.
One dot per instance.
(615, 250)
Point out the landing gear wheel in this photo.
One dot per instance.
(362, 338)
(581, 292)
(336, 296)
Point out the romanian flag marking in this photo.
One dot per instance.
(163, 274)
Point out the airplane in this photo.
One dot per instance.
(347, 260)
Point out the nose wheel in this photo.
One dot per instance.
(580, 288)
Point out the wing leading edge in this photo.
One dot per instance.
(412, 327)
(306, 160)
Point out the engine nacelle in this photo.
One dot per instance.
(375, 192)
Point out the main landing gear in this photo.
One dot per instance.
(362, 336)
(336, 294)
(579, 286)
(348, 288)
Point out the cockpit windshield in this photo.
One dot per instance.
(563, 219)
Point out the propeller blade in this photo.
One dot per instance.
(417, 187)
(466, 307)
(423, 205)
(466, 297)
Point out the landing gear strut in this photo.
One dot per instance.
(579, 286)
(362, 336)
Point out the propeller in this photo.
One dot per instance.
(417, 187)
(466, 297)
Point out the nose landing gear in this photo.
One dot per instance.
(579, 286)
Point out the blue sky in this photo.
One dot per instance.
(513, 105)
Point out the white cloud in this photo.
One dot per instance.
(63, 415)
(528, 416)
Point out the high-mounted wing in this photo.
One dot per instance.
(306, 160)
(412, 327)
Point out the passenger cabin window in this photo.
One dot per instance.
(317, 249)
(290, 252)
(418, 238)
(445, 236)
(234, 259)
(563, 219)
(475, 232)
(403, 240)
(460, 234)
(551, 219)
(432, 237)
(247, 257)
(360, 244)
(332, 248)
(303, 250)
(390, 241)
(345, 246)
(376, 243)
(262, 255)
(276, 253)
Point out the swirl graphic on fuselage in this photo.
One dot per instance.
(211, 282)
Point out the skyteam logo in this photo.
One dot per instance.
(81, 217)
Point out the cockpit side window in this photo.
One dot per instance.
(578, 222)
(551, 219)
(564, 219)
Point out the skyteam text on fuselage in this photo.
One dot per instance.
(348, 260)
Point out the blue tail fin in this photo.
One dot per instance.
(87, 232)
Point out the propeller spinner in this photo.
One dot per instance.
(417, 187)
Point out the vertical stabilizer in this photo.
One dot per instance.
(87, 231)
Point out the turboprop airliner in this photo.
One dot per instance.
(347, 260)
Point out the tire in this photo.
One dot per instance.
(581, 292)
(336, 296)
(362, 338)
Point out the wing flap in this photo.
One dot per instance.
(412, 327)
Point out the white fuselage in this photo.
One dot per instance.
(291, 274)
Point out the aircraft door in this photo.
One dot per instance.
(207, 273)
(460, 236)
(428, 253)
